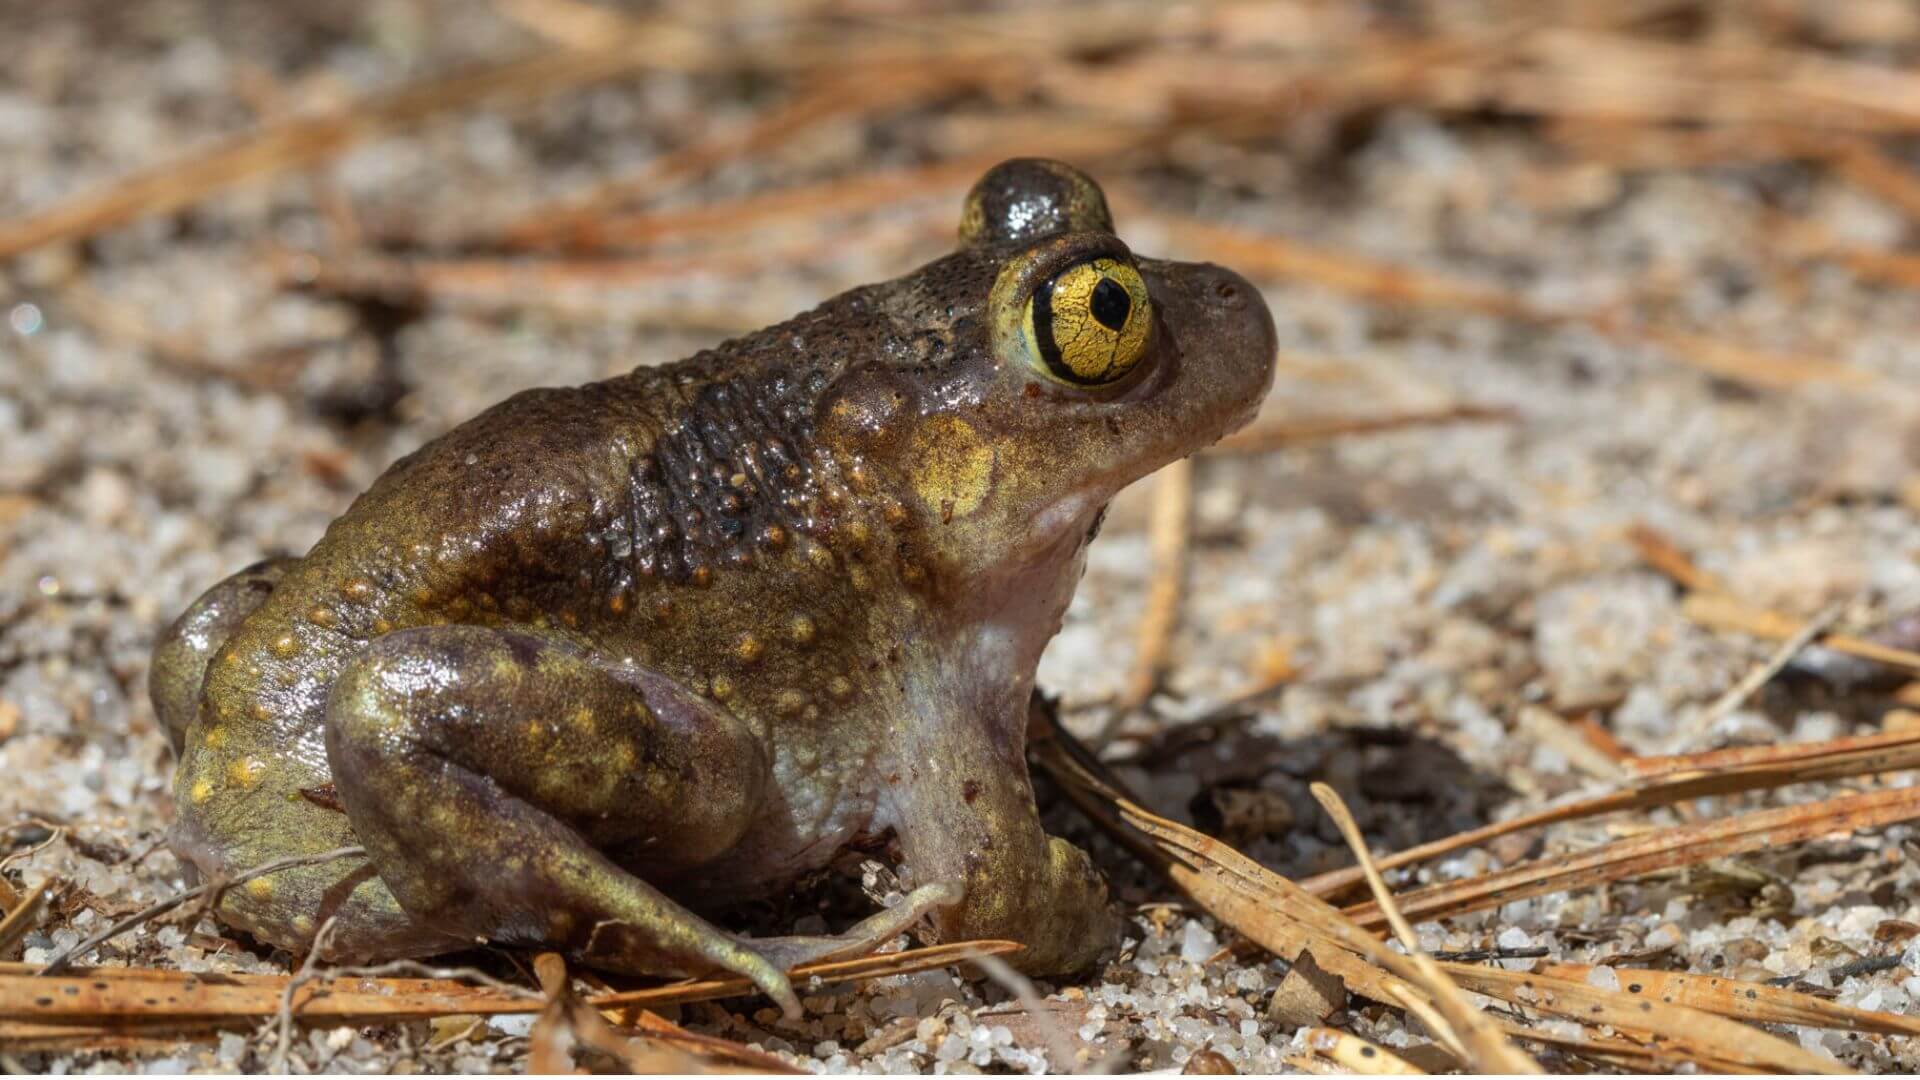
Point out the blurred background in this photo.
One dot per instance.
(1597, 375)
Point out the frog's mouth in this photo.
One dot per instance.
(1093, 527)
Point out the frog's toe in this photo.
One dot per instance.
(771, 979)
(863, 937)
(686, 946)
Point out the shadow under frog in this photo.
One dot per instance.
(605, 657)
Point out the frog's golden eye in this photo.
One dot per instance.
(1088, 324)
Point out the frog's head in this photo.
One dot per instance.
(1031, 375)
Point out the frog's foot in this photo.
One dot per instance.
(614, 943)
(487, 771)
(864, 936)
(181, 655)
(974, 822)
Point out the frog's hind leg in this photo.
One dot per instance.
(487, 771)
(180, 657)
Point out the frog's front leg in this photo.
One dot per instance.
(965, 813)
(495, 777)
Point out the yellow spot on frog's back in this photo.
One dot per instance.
(802, 629)
(321, 616)
(302, 924)
(749, 648)
(840, 687)
(722, 688)
(201, 791)
(953, 467)
(583, 718)
(358, 589)
(244, 773)
(285, 645)
(260, 888)
(789, 702)
(382, 626)
(623, 758)
(214, 737)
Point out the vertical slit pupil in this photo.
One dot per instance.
(1111, 305)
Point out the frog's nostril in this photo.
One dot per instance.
(1228, 293)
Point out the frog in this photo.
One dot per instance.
(605, 662)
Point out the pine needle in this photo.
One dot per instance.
(1468, 1033)
(1662, 781)
(1358, 1054)
(96, 1003)
(1169, 531)
(1666, 849)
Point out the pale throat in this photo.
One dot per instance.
(982, 674)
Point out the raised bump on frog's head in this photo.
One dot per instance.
(1028, 199)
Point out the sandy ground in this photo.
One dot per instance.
(181, 415)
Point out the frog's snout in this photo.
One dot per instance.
(1236, 302)
(1227, 289)
(1226, 340)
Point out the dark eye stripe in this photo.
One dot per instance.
(1111, 305)
(1043, 333)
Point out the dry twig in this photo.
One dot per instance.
(1467, 1032)
(1169, 530)
(1665, 780)
(1750, 683)
(213, 890)
(100, 1003)
(1358, 1054)
(1666, 849)
(1726, 613)
(1264, 438)
(1284, 919)
(303, 142)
